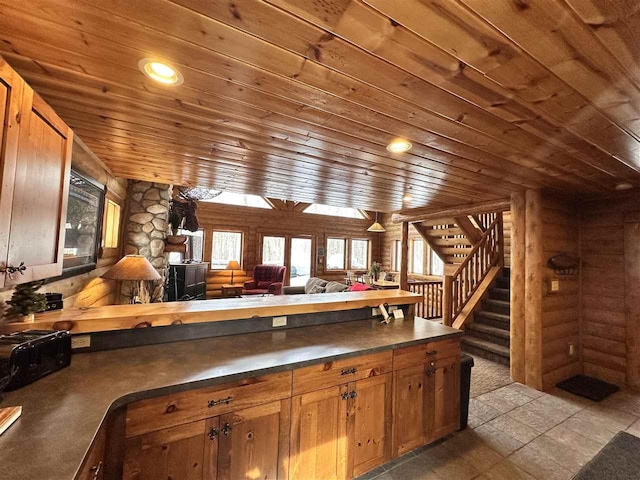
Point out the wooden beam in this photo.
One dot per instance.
(518, 249)
(404, 257)
(300, 206)
(423, 214)
(632, 300)
(472, 232)
(533, 289)
(422, 230)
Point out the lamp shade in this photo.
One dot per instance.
(376, 227)
(132, 267)
(233, 265)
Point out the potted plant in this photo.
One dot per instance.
(25, 300)
(375, 270)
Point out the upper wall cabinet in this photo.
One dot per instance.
(36, 161)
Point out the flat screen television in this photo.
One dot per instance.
(83, 228)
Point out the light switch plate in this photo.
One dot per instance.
(80, 341)
(555, 285)
(279, 322)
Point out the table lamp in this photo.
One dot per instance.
(233, 265)
(133, 268)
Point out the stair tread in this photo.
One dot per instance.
(488, 329)
(486, 345)
(500, 290)
(495, 301)
(495, 316)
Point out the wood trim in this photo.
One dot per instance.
(632, 301)
(404, 257)
(472, 303)
(121, 317)
(517, 294)
(424, 214)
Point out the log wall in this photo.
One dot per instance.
(255, 222)
(610, 240)
(561, 309)
(88, 289)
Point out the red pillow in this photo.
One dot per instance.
(264, 285)
(359, 287)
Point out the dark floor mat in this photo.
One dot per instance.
(618, 460)
(588, 387)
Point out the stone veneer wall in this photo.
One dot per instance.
(147, 227)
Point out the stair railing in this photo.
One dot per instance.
(431, 291)
(459, 287)
(484, 220)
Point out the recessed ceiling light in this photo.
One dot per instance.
(407, 198)
(160, 72)
(399, 146)
(623, 186)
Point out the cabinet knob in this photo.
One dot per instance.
(431, 353)
(10, 269)
(348, 371)
(213, 433)
(226, 430)
(353, 394)
(344, 396)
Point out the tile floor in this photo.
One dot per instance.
(519, 433)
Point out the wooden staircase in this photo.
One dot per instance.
(488, 335)
(452, 239)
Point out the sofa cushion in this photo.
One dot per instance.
(264, 284)
(312, 282)
(335, 287)
(316, 289)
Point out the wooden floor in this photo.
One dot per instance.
(518, 433)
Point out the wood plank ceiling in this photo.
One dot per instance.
(298, 99)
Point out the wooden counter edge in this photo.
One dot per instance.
(122, 317)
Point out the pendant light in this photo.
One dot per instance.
(376, 227)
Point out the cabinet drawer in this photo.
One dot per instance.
(329, 374)
(192, 405)
(93, 466)
(425, 352)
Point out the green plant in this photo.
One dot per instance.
(25, 299)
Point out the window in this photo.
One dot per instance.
(273, 250)
(336, 253)
(226, 246)
(195, 247)
(230, 198)
(437, 265)
(417, 257)
(112, 225)
(396, 255)
(334, 211)
(359, 254)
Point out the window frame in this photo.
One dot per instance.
(284, 250)
(225, 230)
(412, 256)
(345, 260)
(350, 253)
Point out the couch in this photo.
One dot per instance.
(267, 279)
(316, 285)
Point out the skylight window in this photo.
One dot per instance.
(230, 198)
(345, 212)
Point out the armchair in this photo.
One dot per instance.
(266, 279)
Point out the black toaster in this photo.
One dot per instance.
(27, 356)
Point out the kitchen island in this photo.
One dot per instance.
(128, 398)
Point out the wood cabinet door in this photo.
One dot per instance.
(254, 443)
(411, 408)
(369, 423)
(11, 88)
(185, 452)
(40, 191)
(319, 435)
(444, 392)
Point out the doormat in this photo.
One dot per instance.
(588, 387)
(618, 460)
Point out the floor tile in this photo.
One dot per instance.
(625, 400)
(538, 465)
(500, 442)
(482, 410)
(561, 453)
(414, 469)
(634, 429)
(523, 389)
(514, 428)
(609, 418)
(588, 428)
(504, 399)
(539, 417)
(564, 402)
(572, 439)
(470, 446)
(506, 470)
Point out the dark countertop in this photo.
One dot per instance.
(63, 412)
